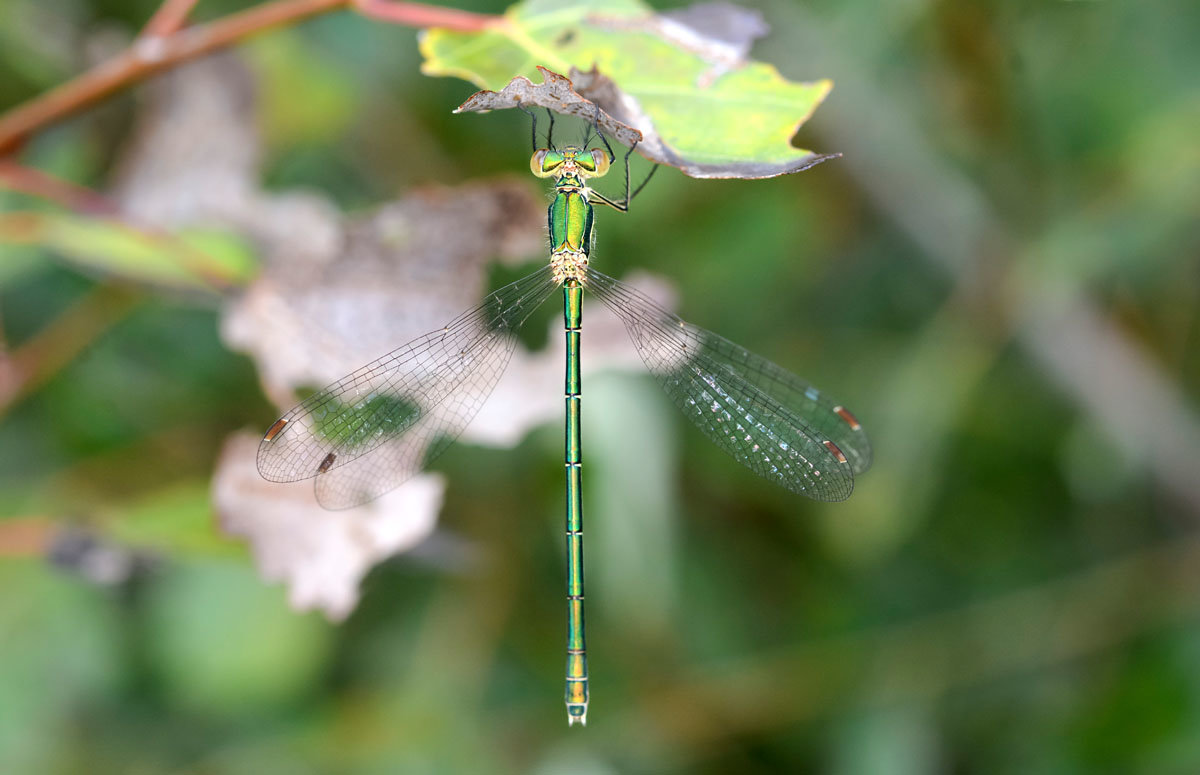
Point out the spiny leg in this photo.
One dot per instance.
(622, 205)
(641, 185)
(532, 127)
(533, 142)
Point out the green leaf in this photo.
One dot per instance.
(176, 521)
(352, 425)
(222, 644)
(62, 648)
(194, 260)
(287, 65)
(680, 78)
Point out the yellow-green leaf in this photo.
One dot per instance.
(196, 260)
(681, 78)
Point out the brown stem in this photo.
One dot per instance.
(420, 15)
(169, 18)
(37, 360)
(154, 54)
(26, 536)
(71, 196)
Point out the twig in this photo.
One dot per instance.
(150, 55)
(169, 18)
(74, 197)
(36, 361)
(26, 536)
(418, 15)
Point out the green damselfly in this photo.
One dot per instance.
(371, 430)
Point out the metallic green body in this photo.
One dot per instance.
(577, 676)
(570, 218)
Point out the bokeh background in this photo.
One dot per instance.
(1000, 278)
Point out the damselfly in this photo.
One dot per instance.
(371, 430)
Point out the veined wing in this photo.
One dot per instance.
(388, 419)
(401, 456)
(768, 419)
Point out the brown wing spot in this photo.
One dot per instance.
(836, 452)
(849, 418)
(275, 429)
(328, 462)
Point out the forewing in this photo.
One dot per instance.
(433, 385)
(401, 456)
(763, 416)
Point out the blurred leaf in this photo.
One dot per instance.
(321, 555)
(198, 260)
(382, 279)
(223, 643)
(895, 741)
(18, 263)
(287, 67)
(701, 105)
(356, 420)
(60, 647)
(632, 496)
(45, 58)
(177, 521)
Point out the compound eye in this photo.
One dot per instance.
(585, 161)
(545, 163)
(600, 161)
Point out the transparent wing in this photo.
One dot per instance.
(374, 428)
(768, 419)
(400, 457)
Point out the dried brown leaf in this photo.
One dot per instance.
(555, 93)
(320, 555)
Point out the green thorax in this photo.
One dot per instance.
(570, 217)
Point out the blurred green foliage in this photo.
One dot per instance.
(1012, 588)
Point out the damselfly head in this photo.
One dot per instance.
(571, 160)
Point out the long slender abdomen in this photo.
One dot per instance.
(577, 675)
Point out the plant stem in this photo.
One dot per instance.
(420, 15)
(169, 18)
(37, 183)
(26, 536)
(153, 54)
(37, 360)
